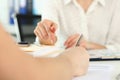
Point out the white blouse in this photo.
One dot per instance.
(100, 24)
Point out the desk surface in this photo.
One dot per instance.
(115, 64)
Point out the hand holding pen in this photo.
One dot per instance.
(73, 40)
(45, 31)
(78, 42)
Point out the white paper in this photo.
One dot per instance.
(105, 53)
(48, 51)
(97, 72)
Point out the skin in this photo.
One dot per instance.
(16, 65)
(85, 4)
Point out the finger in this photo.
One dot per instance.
(70, 39)
(46, 28)
(38, 33)
(53, 29)
(36, 28)
(39, 36)
(72, 43)
(35, 32)
(43, 31)
(49, 33)
(52, 26)
(53, 37)
(47, 24)
(42, 40)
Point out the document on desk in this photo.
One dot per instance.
(97, 72)
(104, 54)
(48, 51)
(54, 51)
(30, 48)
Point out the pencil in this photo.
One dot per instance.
(77, 44)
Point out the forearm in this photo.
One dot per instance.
(16, 65)
(13, 62)
(55, 69)
(42, 69)
(92, 46)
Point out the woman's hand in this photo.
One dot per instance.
(72, 41)
(45, 31)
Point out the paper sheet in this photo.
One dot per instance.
(97, 72)
(31, 48)
(48, 51)
(105, 53)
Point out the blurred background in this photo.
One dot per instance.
(9, 8)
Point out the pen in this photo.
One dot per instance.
(77, 44)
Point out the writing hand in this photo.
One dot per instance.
(72, 41)
(79, 58)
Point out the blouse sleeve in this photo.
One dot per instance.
(113, 39)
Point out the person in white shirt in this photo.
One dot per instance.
(63, 21)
